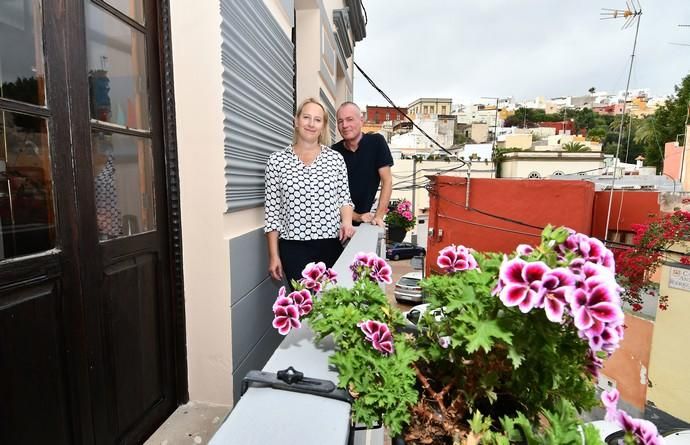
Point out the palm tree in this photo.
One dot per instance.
(575, 147)
(646, 132)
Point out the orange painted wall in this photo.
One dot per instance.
(539, 202)
(535, 202)
(637, 207)
(672, 155)
(629, 365)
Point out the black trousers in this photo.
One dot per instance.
(294, 255)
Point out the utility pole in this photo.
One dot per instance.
(493, 146)
(685, 145)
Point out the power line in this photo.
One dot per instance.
(390, 101)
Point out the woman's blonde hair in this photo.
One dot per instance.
(325, 135)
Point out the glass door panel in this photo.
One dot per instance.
(116, 57)
(22, 72)
(133, 8)
(27, 217)
(123, 182)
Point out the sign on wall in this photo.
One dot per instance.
(679, 278)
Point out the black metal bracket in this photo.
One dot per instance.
(292, 380)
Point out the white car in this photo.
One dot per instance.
(611, 433)
(407, 289)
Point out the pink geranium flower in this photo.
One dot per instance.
(286, 318)
(456, 258)
(555, 284)
(378, 334)
(590, 249)
(381, 272)
(520, 283)
(312, 276)
(371, 265)
(302, 299)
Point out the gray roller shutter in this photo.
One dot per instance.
(258, 72)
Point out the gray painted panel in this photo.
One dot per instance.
(257, 59)
(248, 263)
(289, 7)
(251, 317)
(256, 359)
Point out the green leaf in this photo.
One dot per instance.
(515, 357)
(483, 336)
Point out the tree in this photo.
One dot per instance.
(575, 147)
(585, 118)
(667, 123)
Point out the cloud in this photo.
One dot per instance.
(528, 48)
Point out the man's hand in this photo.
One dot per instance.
(366, 217)
(378, 221)
(346, 231)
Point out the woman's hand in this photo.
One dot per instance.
(346, 231)
(275, 268)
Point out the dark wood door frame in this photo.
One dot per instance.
(69, 263)
(157, 15)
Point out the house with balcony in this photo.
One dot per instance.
(133, 273)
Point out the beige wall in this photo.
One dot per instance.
(403, 169)
(196, 44)
(520, 165)
(318, 65)
(523, 141)
(479, 133)
(669, 367)
(206, 227)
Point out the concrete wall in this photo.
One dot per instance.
(669, 362)
(196, 41)
(673, 157)
(479, 133)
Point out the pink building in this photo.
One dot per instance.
(676, 162)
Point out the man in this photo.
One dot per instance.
(368, 161)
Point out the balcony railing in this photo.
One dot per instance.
(266, 415)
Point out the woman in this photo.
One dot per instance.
(308, 205)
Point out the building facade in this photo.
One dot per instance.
(133, 273)
(426, 107)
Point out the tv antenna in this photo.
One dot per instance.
(631, 14)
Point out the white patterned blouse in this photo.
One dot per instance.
(303, 201)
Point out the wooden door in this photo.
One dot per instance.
(86, 306)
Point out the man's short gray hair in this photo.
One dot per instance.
(344, 104)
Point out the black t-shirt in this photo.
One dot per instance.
(363, 168)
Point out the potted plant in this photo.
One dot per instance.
(507, 352)
(399, 220)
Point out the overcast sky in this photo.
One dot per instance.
(465, 49)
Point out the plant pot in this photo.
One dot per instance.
(396, 234)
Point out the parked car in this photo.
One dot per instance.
(677, 437)
(416, 312)
(407, 289)
(398, 251)
(611, 433)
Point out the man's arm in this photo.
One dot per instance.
(385, 196)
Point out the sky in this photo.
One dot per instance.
(466, 49)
